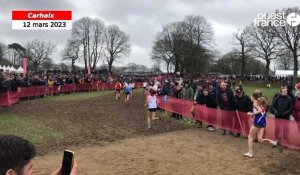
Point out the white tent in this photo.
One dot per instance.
(285, 72)
(12, 69)
(4, 68)
(20, 70)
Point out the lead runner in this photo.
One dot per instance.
(260, 103)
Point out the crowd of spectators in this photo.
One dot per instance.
(11, 81)
(212, 91)
(221, 93)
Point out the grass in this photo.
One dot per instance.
(36, 132)
(78, 96)
(267, 92)
(40, 134)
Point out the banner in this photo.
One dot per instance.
(24, 65)
(42, 20)
(285, 131)
(89, 70)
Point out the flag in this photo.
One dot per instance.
(89, 70)
(24, 65)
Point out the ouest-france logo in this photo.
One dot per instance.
(277, 19)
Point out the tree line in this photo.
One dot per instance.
(187, 47)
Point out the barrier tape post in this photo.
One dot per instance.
(238, 116)
(165, 101)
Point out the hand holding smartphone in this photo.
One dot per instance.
(67, 163)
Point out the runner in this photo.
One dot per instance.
(145, 84)
(131, 84)
(127, 92)
(118, 87)
(257, 129)
(151, 102)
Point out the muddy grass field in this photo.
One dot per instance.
(109, 138)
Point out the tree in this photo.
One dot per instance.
(197, 60)
(242, 41)
(285, 60)
(38, 51)
(185, 45)
(89, 33)
(170, 45)
(156, 68)
(48, 64)
(227, 64)
(98, 30)
(265, 45)
(199, 30)
(71, 52)
(160, 51)
(230, 63)
(17, 52)
(3, 51)
(116, 45)
(290, 37)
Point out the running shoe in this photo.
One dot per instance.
(248, 154)
(211, 129)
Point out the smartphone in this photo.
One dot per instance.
(67, 163)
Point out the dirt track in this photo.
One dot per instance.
(111, 139)
(190, 151)
(94, 121)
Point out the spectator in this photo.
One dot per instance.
(175, 89)
(3, 84)
(198, 92)
(187, 92)
(225, 99)
(206, 99)
(213, 94)
(16, 155)
(166, 88)
(282, 108)
(37, 82)
(289, 93)
(243, 104)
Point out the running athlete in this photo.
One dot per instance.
(127, 92)
(132, 85)
(145, 84)
(257, 129)
(118, 87)
(151, 102)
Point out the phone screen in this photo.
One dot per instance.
(67, 163)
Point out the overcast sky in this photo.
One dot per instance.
(141, 19)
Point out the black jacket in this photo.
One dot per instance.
(230, 98)
(282, 106)
(243, 103)
(213, 95)
(205, 100)
(290, 94)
